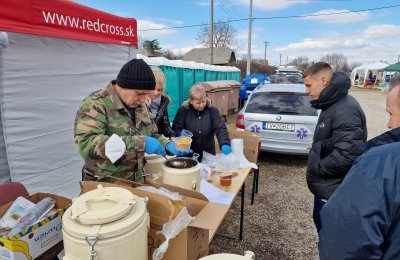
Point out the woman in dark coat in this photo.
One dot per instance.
(159, 105)
(202, 119)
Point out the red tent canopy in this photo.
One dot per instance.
(66, 19)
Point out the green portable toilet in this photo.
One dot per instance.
(188, 76)
(199, 75)
(173, 75)
(173, 89)
(182, 75)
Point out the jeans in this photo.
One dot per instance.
(318, 204)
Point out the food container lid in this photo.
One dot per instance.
(156, 157)
(152, 156)
(107, 211)
(226, 257)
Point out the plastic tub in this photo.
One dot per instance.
(183, 143)
(186, 133)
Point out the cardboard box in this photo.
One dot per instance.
(251, 144)
(192, 243)
(38, 238)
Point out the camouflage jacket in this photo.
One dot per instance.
(103, 114)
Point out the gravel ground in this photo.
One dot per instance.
(279, 224)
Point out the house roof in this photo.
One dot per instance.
(221, 55)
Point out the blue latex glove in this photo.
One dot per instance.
(153, 146)
(171, 147)
(226, 149)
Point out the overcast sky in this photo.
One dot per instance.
(365, 36)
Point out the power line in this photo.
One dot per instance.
(225, 9)
(233, 8)
(273, 17)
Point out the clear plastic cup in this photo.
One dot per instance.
(225, 178)
(186, 133)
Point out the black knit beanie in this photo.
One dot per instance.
(136, 74)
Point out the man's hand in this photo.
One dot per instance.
(153, 146)
(171, 147)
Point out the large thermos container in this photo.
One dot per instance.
(182, 172)
(106, 223)
(248, 255)
(154, 164)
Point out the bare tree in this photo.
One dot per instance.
(257, 66)
(336, 60)
(224, 35)
(355, 64)
(301, 62)
(171, 56)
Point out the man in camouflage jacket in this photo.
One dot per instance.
(119, 109)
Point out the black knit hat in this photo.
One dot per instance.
(136, 74)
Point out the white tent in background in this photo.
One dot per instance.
(52, 55)
(364, 70)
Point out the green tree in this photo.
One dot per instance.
(152, 47)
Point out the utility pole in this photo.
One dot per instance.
(265, 52)
(249, 39)
(212, 33)
(280, 59)
(287, 60)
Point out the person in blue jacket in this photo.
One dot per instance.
(361, 220)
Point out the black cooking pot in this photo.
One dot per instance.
(180, 163)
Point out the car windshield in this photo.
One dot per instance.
(282, 103)
(287, 79)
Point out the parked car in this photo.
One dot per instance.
(283, 117)
(250, 82)
(287, 78)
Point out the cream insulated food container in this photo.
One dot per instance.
(182, 172)
(106, 223)
(247, 256)
(153, 164)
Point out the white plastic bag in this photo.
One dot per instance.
(172, 229)
(227, 162)
(205, 172)
(162, 191)
(237, 151)
(208, 159)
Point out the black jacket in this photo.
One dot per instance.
(339, 137)
(362, 218)
(162, 120)
(203, 124)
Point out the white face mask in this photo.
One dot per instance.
(115, 148)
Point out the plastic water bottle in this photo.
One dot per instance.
(33, 215)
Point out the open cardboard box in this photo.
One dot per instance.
(156, 184)
(192, 243)
(38, 238)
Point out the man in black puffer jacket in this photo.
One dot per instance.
(339, 136)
